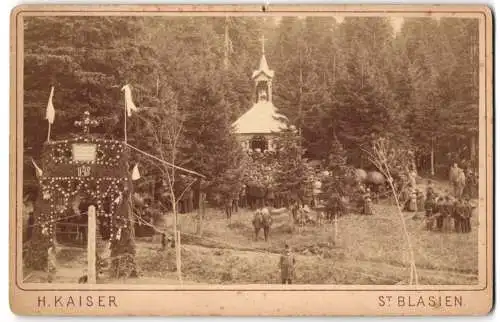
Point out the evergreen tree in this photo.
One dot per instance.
(212, 147)
(293, 175)
(356, 79)
(364, 105)
(87, 60)
(337, 185)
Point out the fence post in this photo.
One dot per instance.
(91, 246)
(336, 231)
(178, 257)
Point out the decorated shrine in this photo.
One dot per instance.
(91, 171)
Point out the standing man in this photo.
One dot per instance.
(361, 193)
(442, 212)
(243, 196)
(468, 188)
(447, 213)
(468, 208)
(228, 205)
(420, 201)
(430, 190)
(458, 215)
(235, 201)
(287, 266)
(429, 207)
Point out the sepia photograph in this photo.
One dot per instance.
(335, 150)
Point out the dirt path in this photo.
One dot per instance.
(371, 269)
(370, 265)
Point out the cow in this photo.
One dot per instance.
(262, 220)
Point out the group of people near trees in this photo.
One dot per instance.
(447, 213)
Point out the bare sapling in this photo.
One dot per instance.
(390, 159)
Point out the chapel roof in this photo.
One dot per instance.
(262, 118)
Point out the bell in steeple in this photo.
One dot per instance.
(263, 78)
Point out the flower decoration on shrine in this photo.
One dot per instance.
(106, 193)
(108, 152)
(84, 168)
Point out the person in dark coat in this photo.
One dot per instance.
(235, 201)
(287, 266)
(295, 209)
(166, 241)
(442, 212)
(459, 215)
(163, 241)
(361, 192)
(470, 189)
(448, 207)
(429, 207)
(228, 207)
(430, 189)
(412, 205)
(468, 208)
(243, 196)
(420, 201)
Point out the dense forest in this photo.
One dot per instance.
(346, 82)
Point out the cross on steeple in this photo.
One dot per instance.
(263, 40)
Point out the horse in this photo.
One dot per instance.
(262, 220)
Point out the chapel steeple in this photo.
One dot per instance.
(263, 78)
(259, 126)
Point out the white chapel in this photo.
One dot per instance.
(259, 126)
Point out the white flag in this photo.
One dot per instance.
(135, 173)
(39, 171)
(51, 112)
(129, 103)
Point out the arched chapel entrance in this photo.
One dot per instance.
(259, 143)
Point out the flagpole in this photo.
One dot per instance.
(48, 132)
(125, 115)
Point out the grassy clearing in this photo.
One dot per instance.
(370, 250)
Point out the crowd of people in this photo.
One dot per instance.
(447, 213)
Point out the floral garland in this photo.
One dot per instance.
(57, 192)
